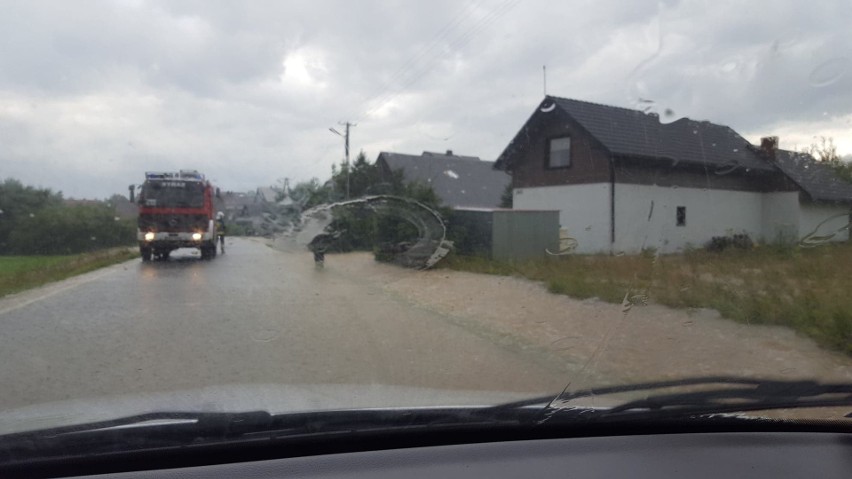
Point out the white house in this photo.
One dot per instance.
(623, 181)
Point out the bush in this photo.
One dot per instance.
(721, 243)
(70, 230)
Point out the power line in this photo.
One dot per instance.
(443, 32)
(409, 66)
(459, 42)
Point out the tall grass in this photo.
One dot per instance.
(18, 273)
(808, 290)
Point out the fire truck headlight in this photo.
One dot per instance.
(149, 236)
(196, 236)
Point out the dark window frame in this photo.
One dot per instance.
(548, 142)
(680, 216)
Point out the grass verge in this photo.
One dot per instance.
(18, 273)
(808, 290)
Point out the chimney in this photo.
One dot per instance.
(768, 147)
(449, 152)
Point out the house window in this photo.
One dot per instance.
(681, 215)
(560, 153)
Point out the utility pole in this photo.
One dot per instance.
(346, 140)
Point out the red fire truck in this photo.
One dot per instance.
(176, 211)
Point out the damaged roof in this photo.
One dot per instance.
(633, 133)
(816, 179)
(460, 181)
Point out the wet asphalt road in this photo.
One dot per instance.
(255, 315)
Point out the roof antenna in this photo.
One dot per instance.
(544, 75)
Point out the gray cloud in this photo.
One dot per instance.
(94, 93)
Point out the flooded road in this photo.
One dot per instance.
(255, 315)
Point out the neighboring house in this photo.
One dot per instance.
(459, 181)
(124, 208)
(267, 194)
(824, 197)
(239, 205)
(623, 181)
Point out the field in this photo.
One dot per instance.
(808, 290)
(18, 273)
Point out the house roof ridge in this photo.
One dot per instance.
(438, 156)
(632, 110)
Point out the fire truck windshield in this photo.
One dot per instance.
(173, 194)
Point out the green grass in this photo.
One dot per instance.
(18, 273)
(808, 290)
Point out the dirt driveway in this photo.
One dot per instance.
(592, 340)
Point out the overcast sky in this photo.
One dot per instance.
(94, 93)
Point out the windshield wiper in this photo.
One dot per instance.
(718, 395)
(203, 423)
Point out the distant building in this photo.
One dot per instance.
(124, 208)
(267, 194)
(239, 205)
(459, 181)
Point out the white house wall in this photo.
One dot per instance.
(781, 217)
(584, 211)
(709, 213)
(823, 220)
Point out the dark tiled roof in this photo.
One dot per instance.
(634, 133)
(819, 181)
(460, 181)
(231, 199)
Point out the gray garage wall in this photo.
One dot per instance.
(519, 234)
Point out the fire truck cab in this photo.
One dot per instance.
(176, 211)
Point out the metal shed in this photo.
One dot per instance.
(505, 234)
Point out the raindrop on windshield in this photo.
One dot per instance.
(829, 72)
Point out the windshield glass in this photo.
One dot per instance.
(174, 194)
(424, 204)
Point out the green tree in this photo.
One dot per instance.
(825, 151)
(363, 177)
(361, 228)
(311, 193)
(18, 202)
